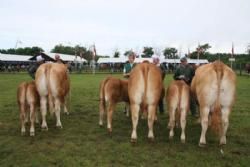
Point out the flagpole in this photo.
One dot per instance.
(232, 54)
(93, 59)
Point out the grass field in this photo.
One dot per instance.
(82, 142)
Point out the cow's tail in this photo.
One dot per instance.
(68, 97)
(145, 77)
(178, 109)
(50, 97)
(102, 104)
(216, 123)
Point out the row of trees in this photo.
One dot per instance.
(168, 52)
(35, 50)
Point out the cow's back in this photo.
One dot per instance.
(32, 95)
(21, 93)
(59, 80)
(178, 94)
(212, 81)
(115, 89)
(41, 79)
(145, 84)
(52, 78)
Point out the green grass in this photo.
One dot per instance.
(82, 142)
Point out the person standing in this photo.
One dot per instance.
(156, 61)
(129, 66)
(33, 68)
(58, 59)
(186, 73)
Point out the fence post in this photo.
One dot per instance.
(240, 70)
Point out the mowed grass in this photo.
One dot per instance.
(82, 142)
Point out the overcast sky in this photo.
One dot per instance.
(126, 24)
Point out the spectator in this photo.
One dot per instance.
(32, 69)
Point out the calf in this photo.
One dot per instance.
(144, 88)
(112, 91)
(178, 106)
(214, 86)
(27, 98)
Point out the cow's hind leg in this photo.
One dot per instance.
(65, 109)
(183, 124)
(101, 111)
(135, 116)
(127, 109)
(151, 118)
(43, 103)
(22, 118)
(171, 122)
(57, 112)
(225, 122)
(32, 119)
(204, 125)
(37, 115)
(111, 107)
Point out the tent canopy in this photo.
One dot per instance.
(14, 58)
(64, 57)
(139, 60)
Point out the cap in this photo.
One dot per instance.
(183, 59)
(57, 56)
(39, 58)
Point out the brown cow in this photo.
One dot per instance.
(112, 91)
(144, 88)
(27, 97)
(53, 83)
(177, 99)
(214, 87)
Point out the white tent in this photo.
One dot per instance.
(191, 61)
(66, 57)
(11, 57)
(139, 60)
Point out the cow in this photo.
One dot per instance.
(178, 102)
(214, 87)
(53, 85)
(28, 103)
(144, 88)
(112, 91)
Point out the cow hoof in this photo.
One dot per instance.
(100, 125)
(66, 113)
(222, 144)
(109, 131)
(32, 133)
(183, 141)
(45, 128)
(59, 126)
(133, 141)
(171, 137)
(151, 139)
(22, 133)
(202, 145)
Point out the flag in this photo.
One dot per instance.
(232, 50)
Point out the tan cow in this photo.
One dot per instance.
(214, 87)
(53, 85)
(112, 91)
(28, 102)
(144, 88)
(177, 99)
